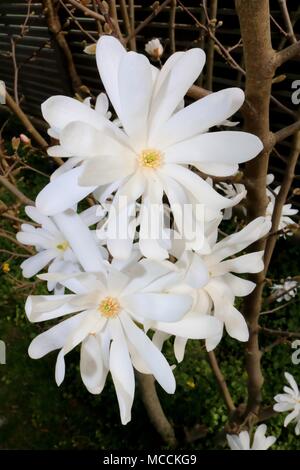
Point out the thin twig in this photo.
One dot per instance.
(286, 334)
(287, 20)
(127, 24)
(132, 22)
(15, 191)
(211, 20)
(281, 197)
(221, 381)
(87, 11)
(147, 20)
(172, 19)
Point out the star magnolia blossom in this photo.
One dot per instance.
(231, 191)
(109, 310)
(149, 156)
(64, 241)
(242, 441)
(212, 283)
(288, 290)
(289, 401)
(287, 210)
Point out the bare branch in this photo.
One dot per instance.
(281, 197)
(127, 24)
(154, 409)
(287, 131)
(15, 191)
(87, 11)
(172, 19)
(288, 53)
(147, 20)
(221, 381)
(287, 21)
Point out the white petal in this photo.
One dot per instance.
(106, 169)
(109, 53)
(201, 115)
(226, 147)
(60, 110)
(240, 287)
(121, 371)
(36, 263)
(45, 221)
(158, 307)
(179, 347)
(292, 382)
(152, 357)
(92, 370)
(235, 324)
(175, 78)
(62, 193)
(54, 338)
(192, 326)
(200, 189)
(135, 87)
(80, 239)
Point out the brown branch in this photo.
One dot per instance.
(287, 20)
(288, 53)
(55, 27)
(98, 23)
(112, 19)
(197, 92)
(286, 132)
(280, 307)
(222, 50)
(127, 23)
(147, 20)
(212, 19)
(259, 56)
(132, 21)
(281, 197)
(221, 381)
(16, 70)
(75, 21)
(172, 19)
(15, 191)
(12, 239)
(286, 334)
(154, 409)
(87, 11)
(25, 121)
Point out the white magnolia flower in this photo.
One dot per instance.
(231, 191)
(287, 210)
(289, 401)
(148, 157)
(63, 240)
(242, 441)
(154, 48)
(288, 289)
(212, 282)
(109, 310)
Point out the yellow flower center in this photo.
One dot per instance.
(109, 307)
(150, 158)
(62, 246)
